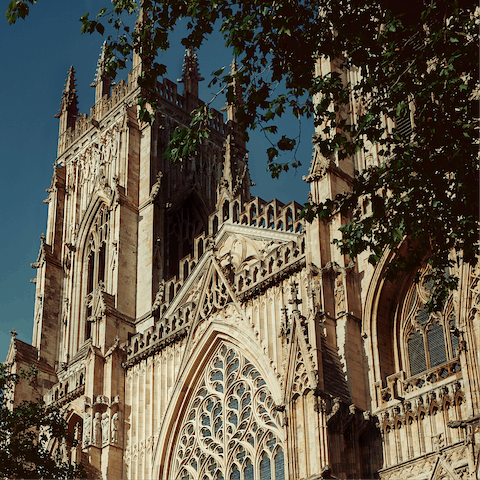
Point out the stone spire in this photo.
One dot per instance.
(235, 176)
(237, 91)
(102, 82)
(69, 106)
(231, 107)
(139, 26)
(227, 176)
(191, 74)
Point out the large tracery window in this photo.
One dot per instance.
(429, 337)
(230, 431)
(96, 260)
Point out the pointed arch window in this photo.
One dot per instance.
(429, 340)
(230, 431)
(96, 253)
(184, 223)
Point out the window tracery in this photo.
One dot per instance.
(230, 431)
(184, 224)
(96, 262)
(429, 337)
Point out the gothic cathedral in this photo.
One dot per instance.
(192, 331)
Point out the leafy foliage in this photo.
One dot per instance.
(26, 432)
(390, 58)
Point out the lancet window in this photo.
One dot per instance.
(96, 261)
(231, 428)
(429, 338)
(183, 225)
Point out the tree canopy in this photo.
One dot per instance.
(27, 432)
(417, 54)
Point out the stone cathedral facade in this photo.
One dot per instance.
(192, 331)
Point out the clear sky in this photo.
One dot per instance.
(35, 57)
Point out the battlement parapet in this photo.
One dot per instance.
(167, 92)
(257, 212)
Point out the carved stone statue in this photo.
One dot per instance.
(63, 451)
(339, 295)
(105, 428)
(77, 432)
(97, 430)
(87, 429)
(159, 297)
(115, 425)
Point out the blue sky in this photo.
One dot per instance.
(35, 57)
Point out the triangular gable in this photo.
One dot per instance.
(259, 242)
(443, 471)
(300, 363)
(215, 293)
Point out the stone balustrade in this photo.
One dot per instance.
(419, 425)
(399, 387)
(68, 388)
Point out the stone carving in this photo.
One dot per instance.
(77, 432)
(115, 425)
(156, 186)
(300, 379)
(159, 297)
(320, 165)
(62, 452)
(102, 399)
(294, 300)
(438, 442)
(157, 252)
(65, 311)
(285, 325)
(97, 430)
(216, 297)
(105, 428)
(114, 256)
(38, 308)
(87, 429)
(339, 294)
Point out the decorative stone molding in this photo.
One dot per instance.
(272, 280)
(231, 411)
(448, 463)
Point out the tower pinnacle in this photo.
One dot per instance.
(237, 92)
(69, 106)
(102, 82)
(191, 74)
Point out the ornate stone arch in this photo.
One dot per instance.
(381, 308)
(398, 329)
(227, 373)
(64, 451)
(82, 245)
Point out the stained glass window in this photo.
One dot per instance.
(416, 352)
(429, 340)
(231, 428)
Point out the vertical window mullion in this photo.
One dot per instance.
(425, 347)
